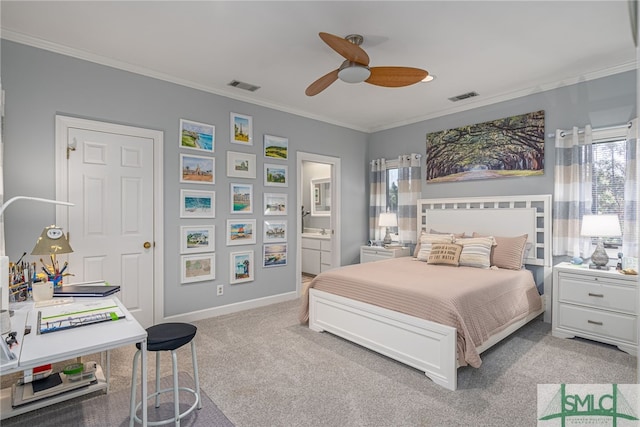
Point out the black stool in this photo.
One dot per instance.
(167, 337)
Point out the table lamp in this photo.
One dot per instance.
(51, 242)
(387, 220)
(600, 226)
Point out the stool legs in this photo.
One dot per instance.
(194, 361)
(176, 388)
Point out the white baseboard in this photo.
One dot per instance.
(231, 308)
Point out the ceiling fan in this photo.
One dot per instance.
(356, 67)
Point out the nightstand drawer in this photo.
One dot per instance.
(602, 323)
(597, 293)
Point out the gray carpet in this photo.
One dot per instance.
(267, 370)
(262, 368)
(112, 410)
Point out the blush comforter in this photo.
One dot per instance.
(477, 302)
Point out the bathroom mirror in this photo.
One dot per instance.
(321, 197)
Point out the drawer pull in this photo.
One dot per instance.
(593, 322)
(596, 295)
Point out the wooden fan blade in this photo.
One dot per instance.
(322, 83)
(344, 47)
(395, 76)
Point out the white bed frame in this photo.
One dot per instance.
(426, 345)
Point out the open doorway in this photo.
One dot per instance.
(318, 215)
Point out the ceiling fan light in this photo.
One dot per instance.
(354, 73)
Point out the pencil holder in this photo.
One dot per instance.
(42, 291)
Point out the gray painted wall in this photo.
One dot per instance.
(40, 84)
(602, 102)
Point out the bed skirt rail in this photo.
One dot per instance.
(427, 346)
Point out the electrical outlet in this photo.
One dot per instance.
(220, 290)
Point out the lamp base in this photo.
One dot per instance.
(599, 257)
(387, 238)
(598, 267)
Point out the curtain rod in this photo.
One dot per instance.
(563, 133)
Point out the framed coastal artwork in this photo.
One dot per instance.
(241, 198)
(197, 204)
(241, 165)
(241, 232)
(274, 255)
(276, 147)
(197, 136)
(197, 238)
(508, 147)
(241, 267)
(197, 169)
(198, 268)
(276, 175)
(241, 129)
(275, 231)
(275, 203)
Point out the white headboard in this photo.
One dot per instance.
(498, 216)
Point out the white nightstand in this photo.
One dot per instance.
(600, 305)
(377, 253)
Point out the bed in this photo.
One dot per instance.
(403, 320)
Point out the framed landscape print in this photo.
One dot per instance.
(241, 198)
(275, 203)
(198, 268)
(197, 238)
(276, 147)
(504, 148)
(197, 136)
(197, 169)
(241, 267)
(275, 175)
(241, 232)
(241, 165)
(241, 129)
(275, 231)
(197, 204)
(274, 255)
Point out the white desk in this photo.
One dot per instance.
(36, 350)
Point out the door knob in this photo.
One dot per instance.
(147, 245)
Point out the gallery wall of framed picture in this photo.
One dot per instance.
(267, 227)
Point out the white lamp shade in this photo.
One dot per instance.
(600, 226)
(388, 220)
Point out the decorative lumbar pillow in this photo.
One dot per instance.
(445, 253)
(509, 252)
(476, 251)
(426, 240)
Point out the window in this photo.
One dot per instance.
(392, 194)
(607, 180)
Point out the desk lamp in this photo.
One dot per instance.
(387, 220)
(600, 226)
(51, 242)
(4, 260)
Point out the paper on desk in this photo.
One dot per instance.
(76, 314)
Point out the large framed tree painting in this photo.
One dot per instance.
(513, 146)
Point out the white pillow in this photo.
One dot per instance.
(476, 251)
(427, 239)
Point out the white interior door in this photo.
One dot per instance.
(111, 228)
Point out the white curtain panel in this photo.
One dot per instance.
(572, 191)
(630, 233)
(409, 191)
(2, 248)
(377, 197)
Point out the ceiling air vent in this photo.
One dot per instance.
(463, 96)
(243, 85)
